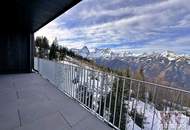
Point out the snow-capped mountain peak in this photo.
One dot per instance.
(101, 53)
(107, 53)
(84, 52)
(170, 55)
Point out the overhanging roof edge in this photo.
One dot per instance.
(56, 15)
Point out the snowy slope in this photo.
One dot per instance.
(159, 118)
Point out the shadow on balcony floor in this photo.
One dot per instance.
(29, 102)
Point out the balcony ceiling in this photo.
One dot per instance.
(31, 15)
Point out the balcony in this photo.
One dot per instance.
(70, 97)
(29, 102)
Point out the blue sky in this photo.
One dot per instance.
(124, 25)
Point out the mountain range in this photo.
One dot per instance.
(165, 68)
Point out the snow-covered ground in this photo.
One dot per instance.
(158, 120)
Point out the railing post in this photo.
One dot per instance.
(86, 86)
(154, 96)
(137, 98)
(72, 77)
(101, 91)
(115, 101)
(129, 98)
(90, 93)
(105, 95)
(83, 86)
(97, 90)
(145, 105)
(121, 108)
(110, 98)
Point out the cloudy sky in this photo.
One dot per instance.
(124, 25)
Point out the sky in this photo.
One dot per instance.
(137, 26)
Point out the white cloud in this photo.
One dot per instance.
(142, 22)
(177, 45)
(185, 22)
(53, 30)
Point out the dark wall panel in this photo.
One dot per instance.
(16, 52)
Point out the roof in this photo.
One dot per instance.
(31, 15)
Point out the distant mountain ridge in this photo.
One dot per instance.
(109, 54)
(165, 68)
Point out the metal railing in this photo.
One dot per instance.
(122, 102)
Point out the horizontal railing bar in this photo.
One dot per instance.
(128, 78)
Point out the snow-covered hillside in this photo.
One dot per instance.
(158, 120)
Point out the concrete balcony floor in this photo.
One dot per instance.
(29, 102)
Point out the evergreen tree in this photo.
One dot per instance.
(119, 101)
(45, 43)
(139, 75)
(62, 53)
(38, 41)
(143, 93)
(54, 50)
(42, 44)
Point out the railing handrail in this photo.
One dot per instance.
(124, 77)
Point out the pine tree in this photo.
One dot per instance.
(45, 43)
(42, 44)
(120, 104)
(136, 116)
(62, 53)
(38, 41)
(139, 75)
(53, 55)
(119, 101)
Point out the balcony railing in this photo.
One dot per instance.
(122, 102)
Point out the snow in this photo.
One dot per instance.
(130, 124)
(177, 119)
(84, 52)
(107, 53)
(170, 55)
(68, 63)
(101, 53)
(171, 58)
(162, 62)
